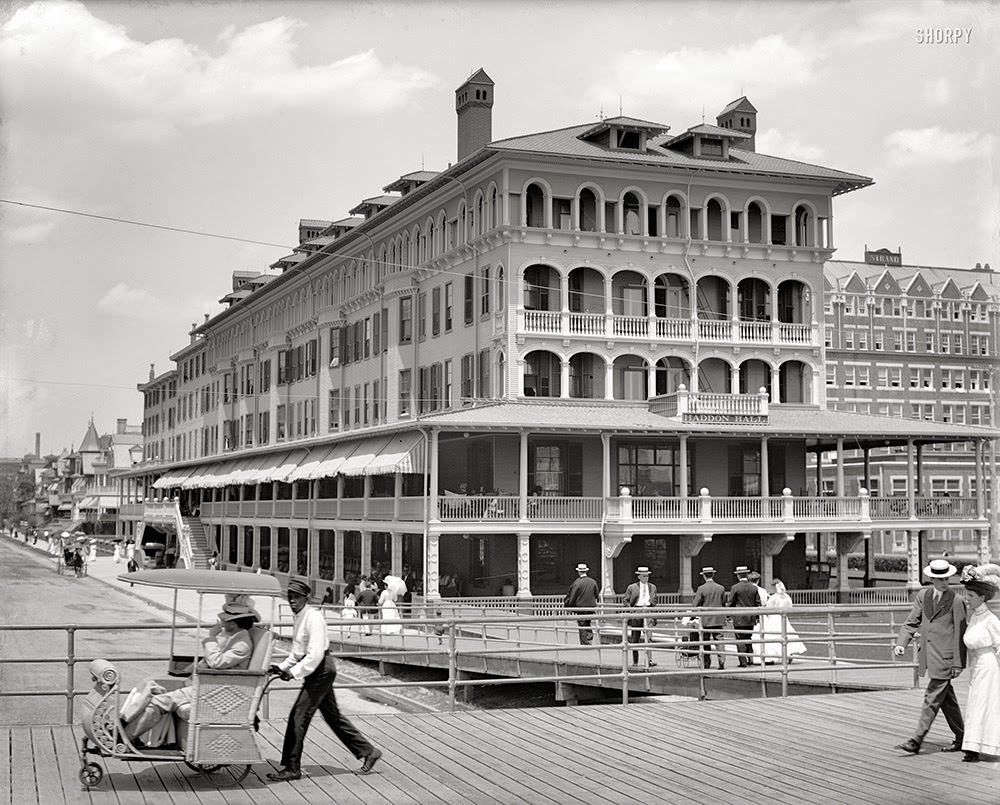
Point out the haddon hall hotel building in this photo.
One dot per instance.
(601, 344)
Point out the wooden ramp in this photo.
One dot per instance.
(806, 749)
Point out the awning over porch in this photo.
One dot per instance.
(98, 502)
(404, 453)
(201, 476)
(330, 465)
(363, 456)
(172, 480)
(281, 469)
(310, 464)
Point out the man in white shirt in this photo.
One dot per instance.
(640, 594)
(310, 661)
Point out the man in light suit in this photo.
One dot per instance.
(711, 595)
(939, 615)
(744, 594)
(640, 595)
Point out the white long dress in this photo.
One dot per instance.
(769, 628)
(387, 603)
(982, 713)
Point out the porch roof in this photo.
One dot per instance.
(816, 426)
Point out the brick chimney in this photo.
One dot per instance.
(38, 444)
(474, 106)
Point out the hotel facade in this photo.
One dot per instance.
(602, 344)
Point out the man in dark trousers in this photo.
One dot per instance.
(938, 614)
(640, 594)
(582, 600)
(744, 594)
(711, 595)
(310, 661)
(368, 604)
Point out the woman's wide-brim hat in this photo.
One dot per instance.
(642, 570)
(940, 569)
(582, 568)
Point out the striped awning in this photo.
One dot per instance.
(310, 464)
(334, 460)
(246, 474)
(281, 468)
(99, 502)
(200, 476)
(172, 479)
(362, 457)
(404, 453)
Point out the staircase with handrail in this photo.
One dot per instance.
(198, 545)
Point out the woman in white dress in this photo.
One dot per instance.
(769, 628)
(387, 605)
(982, 639)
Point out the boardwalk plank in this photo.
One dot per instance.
(5, 763)
(67, 767)
(22, 768)
(43, 750)
(450, 781)
(548, 729)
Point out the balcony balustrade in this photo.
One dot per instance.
(646, 328)
(791, 512)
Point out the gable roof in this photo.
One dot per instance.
(709, 129)
(741, 103)
(479, 77)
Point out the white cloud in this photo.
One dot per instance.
(144, 91)
(938, 91)
(932, 145)
(28, 234)
(646, 78)
(782, 144)
(123, 300)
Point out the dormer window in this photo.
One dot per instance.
(711, 147)
(630, 140)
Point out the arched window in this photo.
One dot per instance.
(631, 214)
(587, 210)
(534, 206)
(675, 224)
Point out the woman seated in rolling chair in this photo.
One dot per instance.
(148, 711)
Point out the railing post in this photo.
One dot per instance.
(624, 660)
(762, 394)
(625, 512)
(70, 671)
(866, 505)
(452, 667)
(787, 505)
(683, 400)
(705, 506)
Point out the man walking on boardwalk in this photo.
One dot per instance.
(640, 594)
(310, 661)
(744, 594)
(711, 595)
(582, 600)
(939, 615)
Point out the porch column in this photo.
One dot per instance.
(522, 476)
(609, 310)
(606, 469)
(564, 379)
(765, 476)
(840, 468)
(866, 453)
(340, 495)
(911, 503)
(564, 299)
(435, 514)
(397, 553)
(846, 544)
(684, 473)
(338, 554)
(918, 486)
(397, 494)
(980, 478)
(524, 564)
(367, 486)
(366, 552)
(609, 379)
(819, 472)
(690, 546)
(913, 559)
(432, 571)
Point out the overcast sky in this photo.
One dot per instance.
(240, 118)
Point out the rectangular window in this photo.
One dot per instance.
(484, 374)
(449, 303)
(882, 378)
(376, 408)
(484, 298)
(310, 359)
(406, 320)
(468, 367)
(385, 328)
(367, 403)
(468, 298)
(334, 409)
(357, 405)
(405, 380)
(300, 362)
(376, 333)
(446, 399)
(878, 339)
(435, 396)
(280, 420)
(423, 382)
(336, 333)
(848, 339)
(367, 335)
(436, 311)
(831, 374)
(282, 374)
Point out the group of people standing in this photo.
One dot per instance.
(955, 633)
(760, 639)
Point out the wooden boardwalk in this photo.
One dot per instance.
(806, 749)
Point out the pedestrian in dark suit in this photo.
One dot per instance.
(641, 594)
(744, 594)
(367, 602)
(582, 599)
(311, 661)
(711, 595)
(939, 615)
